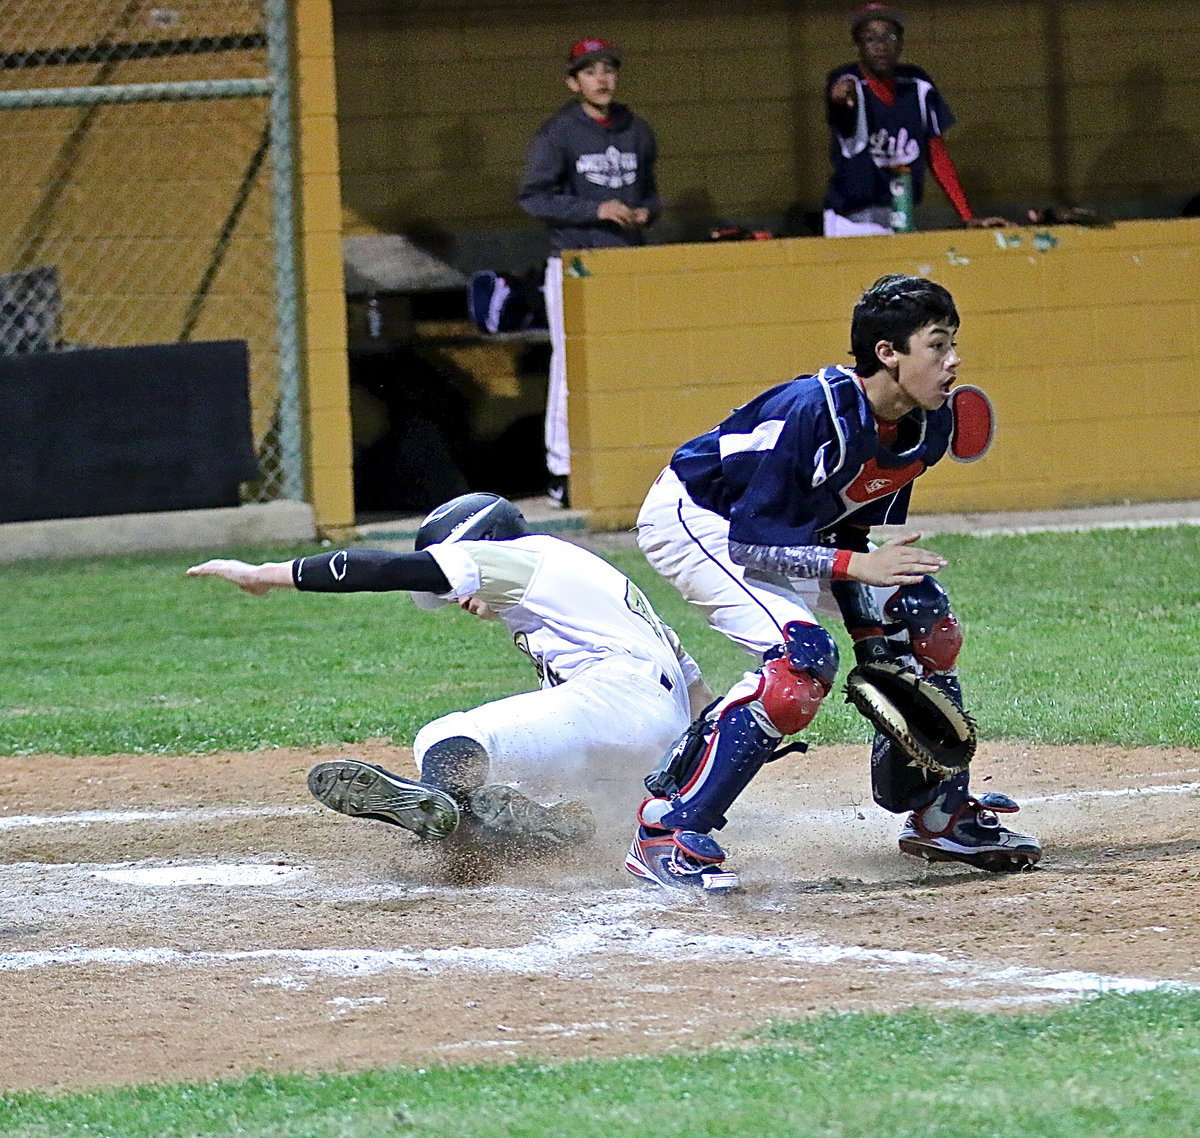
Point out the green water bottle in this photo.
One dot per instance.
(901, 186)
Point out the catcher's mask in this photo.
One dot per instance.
(470, 517)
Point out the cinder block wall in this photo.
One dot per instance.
(1085, 339)
(322, 307)
(129, 201)
(437, 99)
(147, 191)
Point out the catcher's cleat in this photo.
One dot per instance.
(362, 790)
(679, 859)
(973, 834)
(506, 813)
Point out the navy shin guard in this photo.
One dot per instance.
(727, 752)
(736, 748)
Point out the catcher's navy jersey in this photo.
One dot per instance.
(806, 455)
(871, 137)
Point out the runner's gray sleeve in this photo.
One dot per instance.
(787, 560)
(369, 571)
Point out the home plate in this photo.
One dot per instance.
(175, 875)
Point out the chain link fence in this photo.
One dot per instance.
(145, 196)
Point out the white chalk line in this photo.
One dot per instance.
(606, 929)
(141, 817)
(586, 938)
(212, 814)
(1069, 527)
(175, 876)
(1121, 792)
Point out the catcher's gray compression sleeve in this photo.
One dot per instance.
(788, 560)
(369, 571)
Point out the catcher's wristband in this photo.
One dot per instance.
(872, 649)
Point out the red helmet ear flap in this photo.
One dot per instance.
(974, 423)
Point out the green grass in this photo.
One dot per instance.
(1113, 1066)
(1089, 637)
(1070, 637)
(1082, 637)
(131, 655)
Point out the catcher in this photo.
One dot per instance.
(763, 520)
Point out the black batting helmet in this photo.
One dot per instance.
(472, 517)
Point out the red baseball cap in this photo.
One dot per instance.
(870, 12)
(587, 51)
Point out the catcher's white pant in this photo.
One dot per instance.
(558, 440)
(689, 546)
(607, 727)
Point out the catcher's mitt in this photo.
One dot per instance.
(920, 719)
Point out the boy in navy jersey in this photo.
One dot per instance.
(884, 117)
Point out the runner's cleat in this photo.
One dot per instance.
(679, 859)
(973, 834)
(505, 812)
(362, 790)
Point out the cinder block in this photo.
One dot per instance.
(318, 145)
(322, 200)
(1005, 283)
(792, 294)
(329, 439)
(325, 311)
(1080, 280)
(682, 300)
(314, 28)
(316, 84)
(620, 477)
(322, 252)
(606, 420)
(1157, 330)
(599, 303)
(333, 500)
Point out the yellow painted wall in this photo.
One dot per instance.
(322, 295)
(129, 201)
(1086, 340)
(1097, 100)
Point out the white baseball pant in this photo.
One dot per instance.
(869, 222)
(558, 439)
(607, 725)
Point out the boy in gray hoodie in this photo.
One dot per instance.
(589, 176)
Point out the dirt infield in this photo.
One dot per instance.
(196, 918)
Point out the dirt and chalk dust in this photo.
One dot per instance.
(197, 918)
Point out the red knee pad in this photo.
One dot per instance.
(938, 651)
(790, 698)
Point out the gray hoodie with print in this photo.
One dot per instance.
(575, 163)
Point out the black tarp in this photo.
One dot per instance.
(99, 431)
